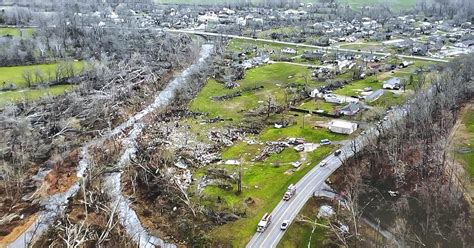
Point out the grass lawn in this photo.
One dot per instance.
(272, 77)
(265, 185)
(309, 133)
(464, 140)
(16, 32)
(14, 74)
(237, 45)
(357, 86)
(363, 47)
(299, 233)
(32, 94)
(319, 104)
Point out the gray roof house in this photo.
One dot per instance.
(392, 84)
(374, 96)
(350, 109)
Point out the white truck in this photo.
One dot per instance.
(264, 222)
(289, 192)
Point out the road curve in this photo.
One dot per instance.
(287, 210)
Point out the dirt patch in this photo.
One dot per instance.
(16, 229)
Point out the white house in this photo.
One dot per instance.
(392, 84)
(342, 127)
(331, 98)
(314, 93)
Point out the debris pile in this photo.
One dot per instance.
(271, 148)
(226, 138)
(236, 94)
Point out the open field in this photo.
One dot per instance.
(14, 74)
(16, 32)
(32, 94)
(272, 77)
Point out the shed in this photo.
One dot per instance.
(342, 127)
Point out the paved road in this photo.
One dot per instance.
(314, 181)
(287, 210)
(301, 45)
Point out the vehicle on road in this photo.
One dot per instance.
(284, 225)
(264, 222)
(323, 163)
(337, 152)
(325, 142)
(289, 192)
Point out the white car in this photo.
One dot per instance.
(284, 225)
(323, 163)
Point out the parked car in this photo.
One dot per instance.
(338, 152)
(325, 142)
(285, 225)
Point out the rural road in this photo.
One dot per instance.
(287, 210)
(314, 181)
(300, 44)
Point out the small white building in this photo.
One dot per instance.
(288, 50)
(342, 127)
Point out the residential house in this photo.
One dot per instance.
(342, 127)
(350, 109)
(392, 84)
(375, 95)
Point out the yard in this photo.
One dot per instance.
(299, 232)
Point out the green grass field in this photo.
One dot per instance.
(464, 140)
(298, 234)
(272, 77)
(16, 32)
(14, 74)
(32, 94)
(264, 184)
